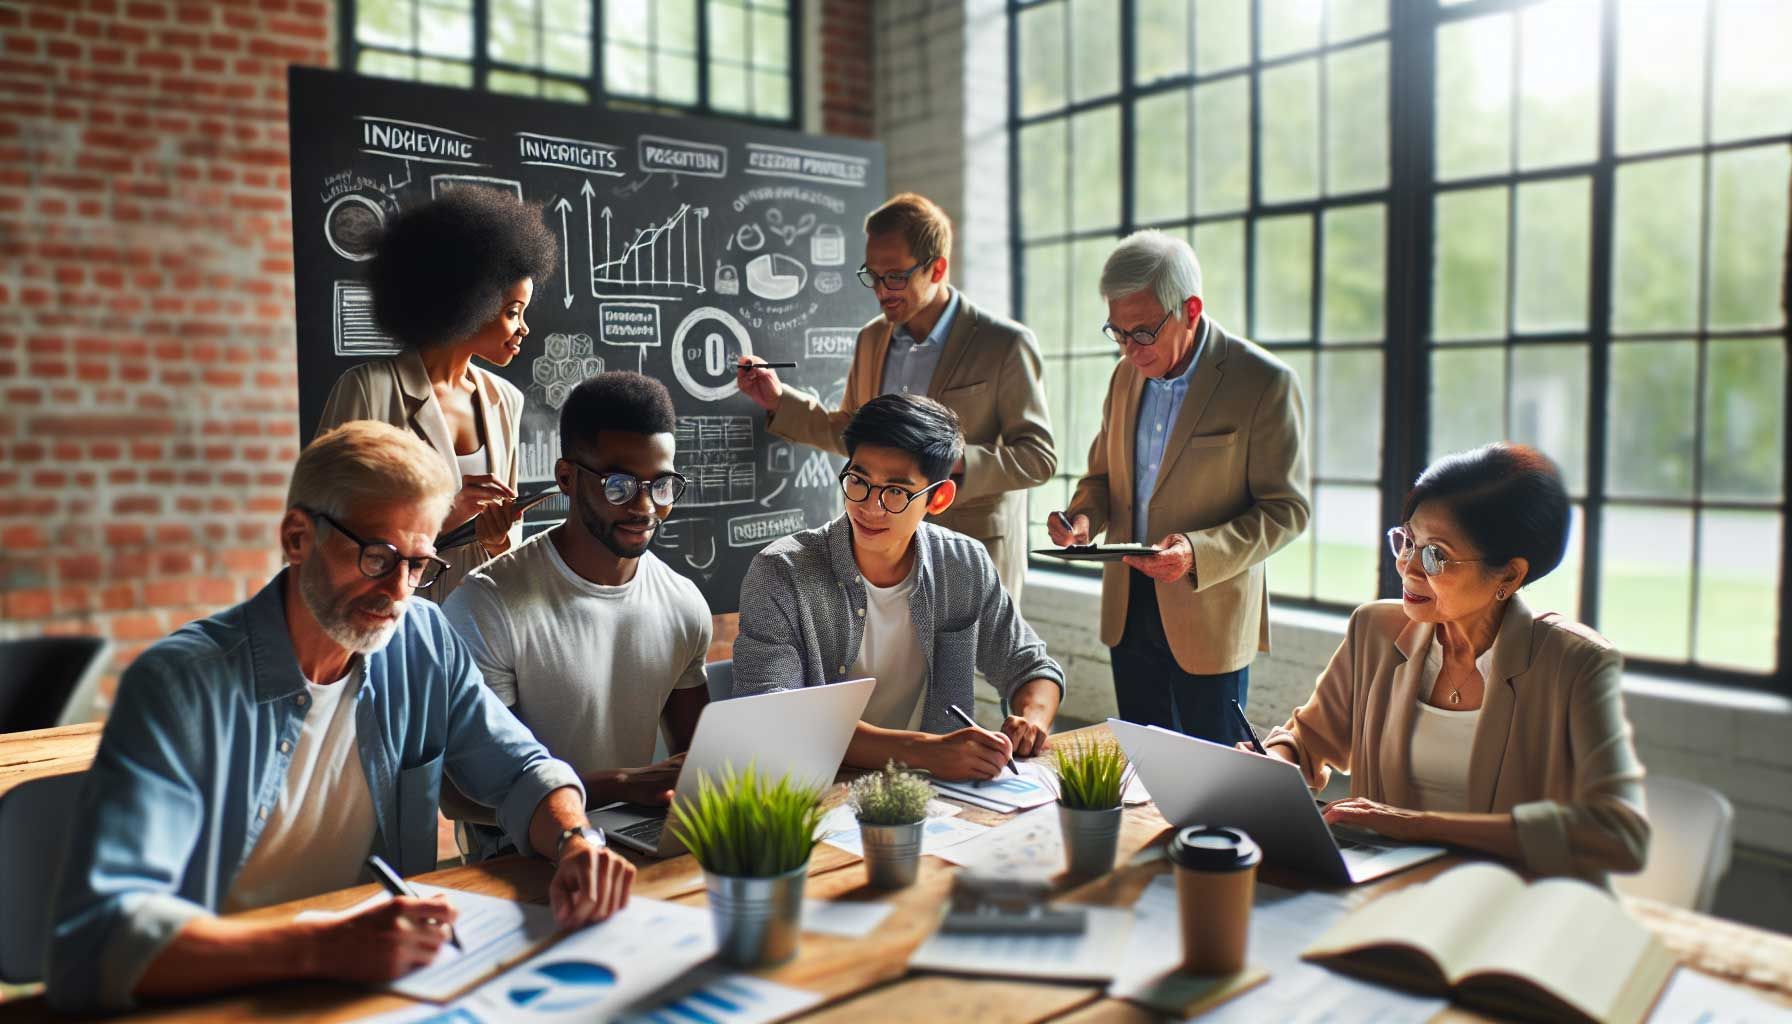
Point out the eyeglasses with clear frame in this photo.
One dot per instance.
(377, 558)
(620, 488)
(891, 498)
(895, 280)
(1140, 336)
(1431, 557)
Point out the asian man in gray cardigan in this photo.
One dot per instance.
(879, 592)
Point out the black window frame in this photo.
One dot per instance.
(1408, 345)
(349, 50)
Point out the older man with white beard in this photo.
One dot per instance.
(260, 755)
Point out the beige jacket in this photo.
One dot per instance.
(989, 374)
(1552, 746)
(397, 391)
(1232, 483)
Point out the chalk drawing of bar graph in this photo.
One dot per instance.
(667, 254)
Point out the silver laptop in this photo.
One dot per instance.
(800, 733)
(1195, 782)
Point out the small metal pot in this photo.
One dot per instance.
(1091, 839)
(892, 853)
(758, 920)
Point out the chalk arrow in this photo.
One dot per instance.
(591, 260)
(706, 563)
(566, 246)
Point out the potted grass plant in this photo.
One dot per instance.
(752, 837)
(1092, 776)
(892, 810)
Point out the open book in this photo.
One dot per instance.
(1557, 949)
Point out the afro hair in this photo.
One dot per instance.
(440, 270)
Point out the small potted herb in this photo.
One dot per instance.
(1092, 777)
(752, 838)
(892, 809)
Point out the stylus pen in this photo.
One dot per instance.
(744, 367)
(1248, 731)
(968, 720)
(397, 887)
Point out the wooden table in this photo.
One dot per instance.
(43, 752)
(862, 981)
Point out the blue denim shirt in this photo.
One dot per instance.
(199, 741)
(909, 364)
(1158, 408)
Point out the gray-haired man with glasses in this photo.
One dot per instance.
(1200, 453)
(930, 340)
(260, 755)
(582, 631)
(881, 593)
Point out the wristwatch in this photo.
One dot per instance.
(594, 836)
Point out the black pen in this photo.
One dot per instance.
(397, 887)
(972, 722)
(744, 367)
(1248, 731)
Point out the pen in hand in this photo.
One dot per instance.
(396, 886)
(1249, 732)
(1069, 528)
(968, 720)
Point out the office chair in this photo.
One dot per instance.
(1689, 849)
(36, 818)
(47, 681)
(721, 679)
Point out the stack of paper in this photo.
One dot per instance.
(1006, 792)
(839, 827)
(1092, 955)
(1030, 845)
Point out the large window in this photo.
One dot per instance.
(731, 58)
(1562, 222)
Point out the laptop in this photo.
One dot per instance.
(1195, 782)
(801, 733)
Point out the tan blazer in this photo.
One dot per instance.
(397, 391)
(990, 375)
(1231, 482)
(1552, 746)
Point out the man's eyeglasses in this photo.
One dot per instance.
(895, 280)
(1431, 557)
(891, 498)
(378, 558)
(620, 488)
(1141, 337)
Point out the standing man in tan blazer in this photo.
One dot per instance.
(930, 340)
(1200, 448)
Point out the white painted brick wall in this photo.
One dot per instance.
(1740, 743)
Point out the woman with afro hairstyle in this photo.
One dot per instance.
(451, 280)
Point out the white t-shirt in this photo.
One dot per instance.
(321, 827)
(1442, 740)
(890, 654)
(587, 668)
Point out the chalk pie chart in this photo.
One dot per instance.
(560, 986)
(776, 276)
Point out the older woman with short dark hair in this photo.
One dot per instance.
(1462, 717)
(451, 280)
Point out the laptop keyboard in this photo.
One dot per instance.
(1353, 839)
(644, 831)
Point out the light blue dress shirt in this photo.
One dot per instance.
(1158, 408)
(909, 364)
(198, 746)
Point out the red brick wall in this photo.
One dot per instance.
(147, 394)
(148, 403)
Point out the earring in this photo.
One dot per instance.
(1501, 594)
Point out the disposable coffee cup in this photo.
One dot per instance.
(1216, 874)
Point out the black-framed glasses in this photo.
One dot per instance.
(891, 498)
(1141, 337)
(620, 488)
(895, 280)
(378, 558)
(1431, 557)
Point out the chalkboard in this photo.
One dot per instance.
(684, 243)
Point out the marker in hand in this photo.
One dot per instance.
(396, 886)
(972, 722)
(745, 366)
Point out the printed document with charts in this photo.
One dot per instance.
(1558, 948)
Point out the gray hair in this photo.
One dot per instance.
(1152, 261)
(366, 462)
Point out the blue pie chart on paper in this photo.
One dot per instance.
(561, 985)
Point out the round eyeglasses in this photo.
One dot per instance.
(1141, 336)
(1431, 557)
(620, 488)
(891, 498)
(378, 558)
(895, 280)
